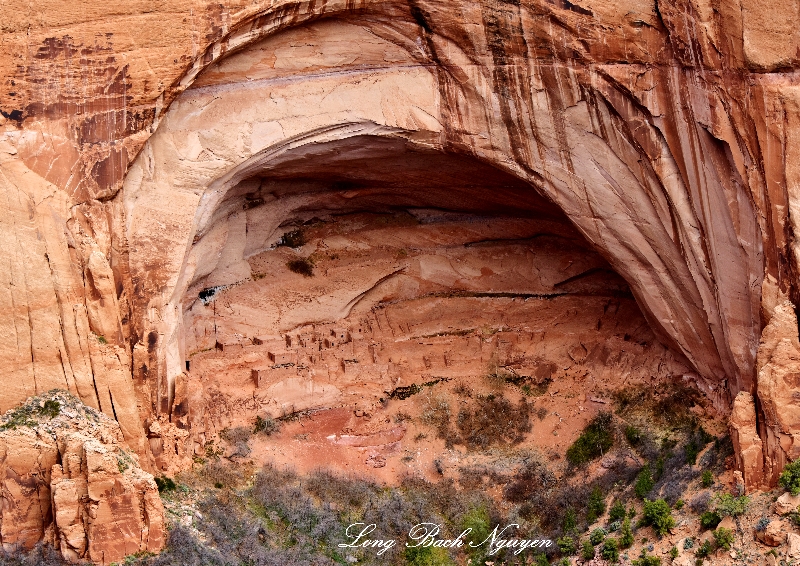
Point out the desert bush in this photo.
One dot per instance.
(710, 520)
(346, 492)
(566, 545)
(707, 479)
(617, 511)
(597, 536)
(674, 478)
(596, 505)
(704, 550)
(165, 484)
(726, 504)
(239, 439)
(658, 515)
(427, 556)
(700, 502)
(479, 522)
(40, 555)
(494, 420)
(570, 522)
(633, 435)
(534, 477)
(595, 440)
(437, 414)
(644, 482)
(553, 504)
(691, 451)
(183, 549)
(221, 474)
(587, 551)
(647, 560)
(790, 477)
(626, 539)
(266, 425)
(302, 266)
(723, 538)
(610, 550)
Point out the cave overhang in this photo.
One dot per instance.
(602, 161)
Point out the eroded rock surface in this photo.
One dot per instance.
(68, 478)
(149, 154)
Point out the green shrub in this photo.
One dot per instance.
(570, 520)
(790, 477)
(674, 552)
(610, 550)
(303, 266)
(704, 550)
(541, 560)
(707, 478)
(626, 539)
(644, 482)
(595, 439)
(478, 520)
(710, 520)
(679, 504)
(165, 484)
(659, 468)
(427, 556)
(724, 538)
(587, 552)
(633, 435)
(51, 408)
(692, 450)
(658, 515)
(566, 545)
(617, 512)
(596, 505)
(597, 536)
(727, 505)
(647, 560)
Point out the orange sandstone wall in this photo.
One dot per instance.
(667, 132)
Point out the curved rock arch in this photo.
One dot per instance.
(638, 176)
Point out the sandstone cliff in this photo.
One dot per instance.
(149, 152)
(68, 478)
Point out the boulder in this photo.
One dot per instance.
(774, 534)
(787, 503)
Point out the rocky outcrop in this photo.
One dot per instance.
(68, 478)
(778, 383)
(748, 447)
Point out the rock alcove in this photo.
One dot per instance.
(316, 243)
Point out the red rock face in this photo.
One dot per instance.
(138, 168)
(70, 480)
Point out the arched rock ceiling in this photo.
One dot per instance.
(643, 156)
